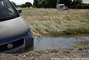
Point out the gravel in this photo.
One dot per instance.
(49, 54)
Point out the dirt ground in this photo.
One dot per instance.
(49, 54)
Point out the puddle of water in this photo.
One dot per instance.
(57, 42)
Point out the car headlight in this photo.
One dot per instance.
(29, 35)
(29, 39)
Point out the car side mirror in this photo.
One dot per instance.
(20, 11)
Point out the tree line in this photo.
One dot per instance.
(75, 4)
(45, 3)
(27, 4)
(52, 3)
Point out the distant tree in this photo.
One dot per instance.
(66, 2)
(52, 3)
(23, 5)
(35, 3)
(45, 3)
(28, 4)
(58, 1)
(77, 4)
(13, 3)
(77, 1)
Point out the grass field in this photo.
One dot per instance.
(52, 22)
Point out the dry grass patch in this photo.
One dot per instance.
(54, 22)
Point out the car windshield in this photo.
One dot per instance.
(7, 11)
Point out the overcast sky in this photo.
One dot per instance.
(86, 1)
(18, 2)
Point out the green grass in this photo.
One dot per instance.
(82, 44)
(52, 22)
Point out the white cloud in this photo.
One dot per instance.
(86, 1)
(19, 2)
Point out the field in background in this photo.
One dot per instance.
(52, 22)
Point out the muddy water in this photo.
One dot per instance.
(57, 42)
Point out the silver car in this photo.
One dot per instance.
(15, 34)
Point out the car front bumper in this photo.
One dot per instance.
(26, 44)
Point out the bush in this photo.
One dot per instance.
(23, 5)
(27, 4)
(79, 6)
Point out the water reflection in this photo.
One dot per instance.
(57, 42)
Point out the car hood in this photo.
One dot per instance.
(13, 27)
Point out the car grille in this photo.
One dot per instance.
(15, 45)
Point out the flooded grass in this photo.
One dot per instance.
(52, 22)
(82, 44)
